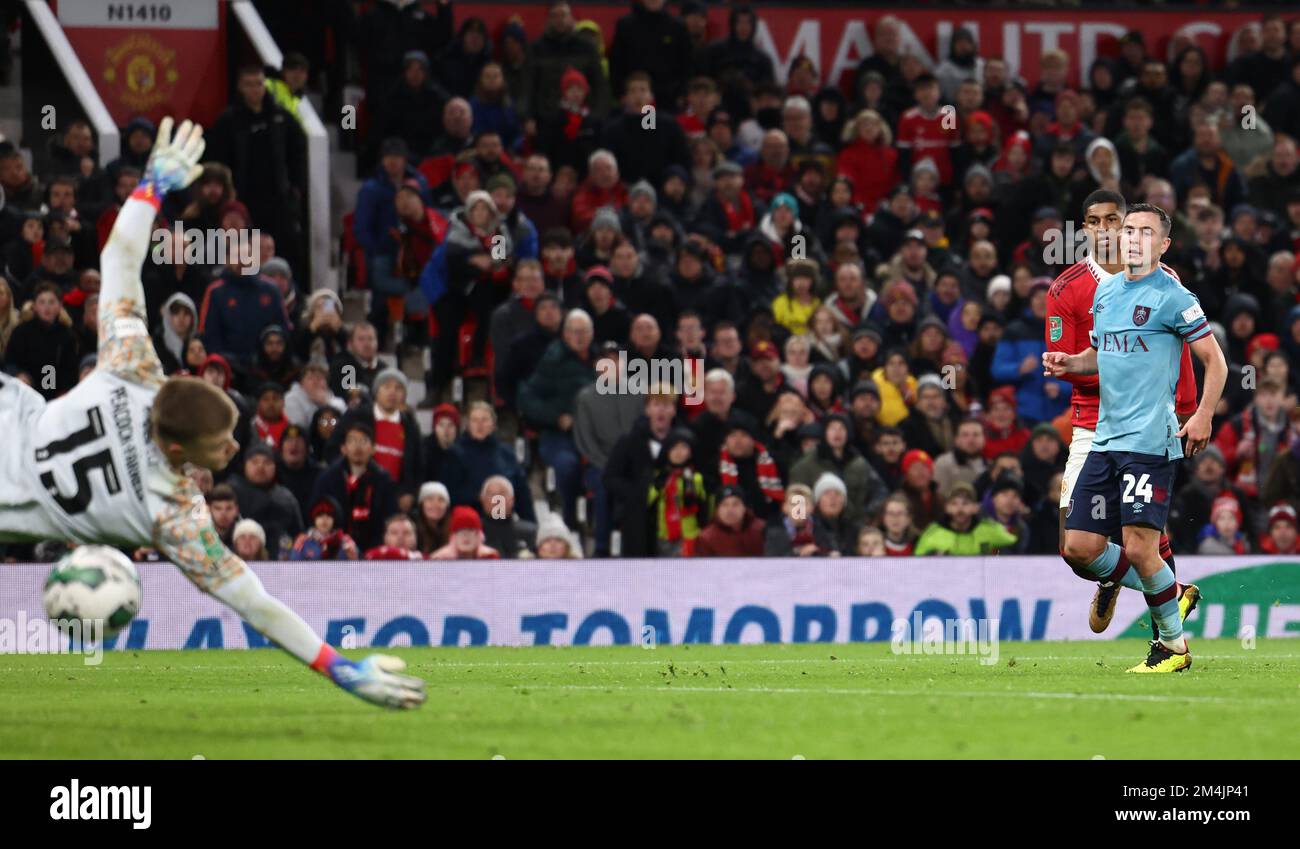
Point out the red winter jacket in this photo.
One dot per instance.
(718, 540)
(873, 168)
(589, 198)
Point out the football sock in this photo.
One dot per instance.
(1167, 555)
(1161, 592)
(1112, 566)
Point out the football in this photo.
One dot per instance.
(93, 582)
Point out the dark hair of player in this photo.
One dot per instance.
(1104, 196)
(1165, 223)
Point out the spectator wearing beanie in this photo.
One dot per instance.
(360, 485)
(1002, 429)
(572, 133)
(274, 362)
(734, 530)
(1223, 536)
(324, 539)
(554, 540)
(432, 517)
(919, 486)
(932, 423)
(1280, 538)
(466, 538)
(263, 499)
(437, 445)
(834, 533)
(250, 541)
(397, 434)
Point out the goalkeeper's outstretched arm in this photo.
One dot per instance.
(124, 344)
(185, 535)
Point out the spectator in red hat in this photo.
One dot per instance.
(757, 394)
(324, 539)
(1002, 429)
(572, 134)
(919, 486)
(466, 538)
(1281, 537)
(437, 445)
(1223, 536)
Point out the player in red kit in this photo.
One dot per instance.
(1069, 321)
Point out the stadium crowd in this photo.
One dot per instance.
(856, 276)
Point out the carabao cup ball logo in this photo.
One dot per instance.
(1140, 315)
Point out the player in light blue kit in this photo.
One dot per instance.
(1141, 317)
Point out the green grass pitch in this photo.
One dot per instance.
(1041, 700)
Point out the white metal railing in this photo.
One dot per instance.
(110, 138)
(318, 149)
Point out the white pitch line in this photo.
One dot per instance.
(678, 661)
(842, 691)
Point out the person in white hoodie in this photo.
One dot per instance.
(309, 394)
(179, 320)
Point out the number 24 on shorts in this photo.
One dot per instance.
(1139, 486)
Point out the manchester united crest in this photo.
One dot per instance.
(141, 71)
(1140, 315)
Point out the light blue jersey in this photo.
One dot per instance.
(1138, 329)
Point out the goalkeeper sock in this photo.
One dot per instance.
(1161, 592)
(1112, 567)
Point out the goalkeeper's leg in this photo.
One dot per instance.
(373, 679)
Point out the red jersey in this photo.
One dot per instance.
(928, 138)
(1069, 321)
